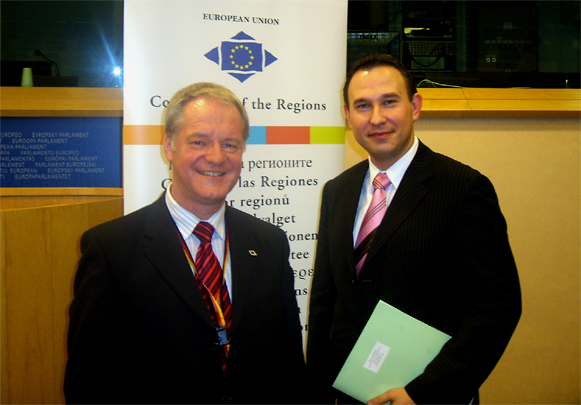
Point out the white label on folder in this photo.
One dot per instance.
(376, 357)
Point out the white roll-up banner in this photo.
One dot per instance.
(285, 60)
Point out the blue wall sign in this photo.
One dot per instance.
(60, 152)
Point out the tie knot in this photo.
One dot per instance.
(381, 181)
(204, 231)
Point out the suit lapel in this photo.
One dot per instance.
(162, 247)
(349, 201)
(410, 192)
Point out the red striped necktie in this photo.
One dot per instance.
(212, 277)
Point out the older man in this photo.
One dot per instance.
(188, 300)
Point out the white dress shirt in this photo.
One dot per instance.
(395, 173)
(186, 222)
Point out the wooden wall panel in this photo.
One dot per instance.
(40, 250)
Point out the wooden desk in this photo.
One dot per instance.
(40, 230)
(461, 102)
(518, 103)
(60, 102)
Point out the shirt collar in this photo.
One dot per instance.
(396, 171)
(186, 221)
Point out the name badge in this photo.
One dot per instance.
(222, 336)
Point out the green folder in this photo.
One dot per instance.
(392, 350)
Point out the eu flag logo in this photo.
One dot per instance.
(241, 56)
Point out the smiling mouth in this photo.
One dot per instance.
(379, 134)
(212, 174)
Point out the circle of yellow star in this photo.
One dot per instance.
(249, 55)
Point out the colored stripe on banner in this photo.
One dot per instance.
(288, 135)
(328, 135)
(153, 135)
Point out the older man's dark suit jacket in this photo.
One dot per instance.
(441, 254)
(140, 330)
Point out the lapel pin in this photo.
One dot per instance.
(252, 253)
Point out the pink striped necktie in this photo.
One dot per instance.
(372, 219)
